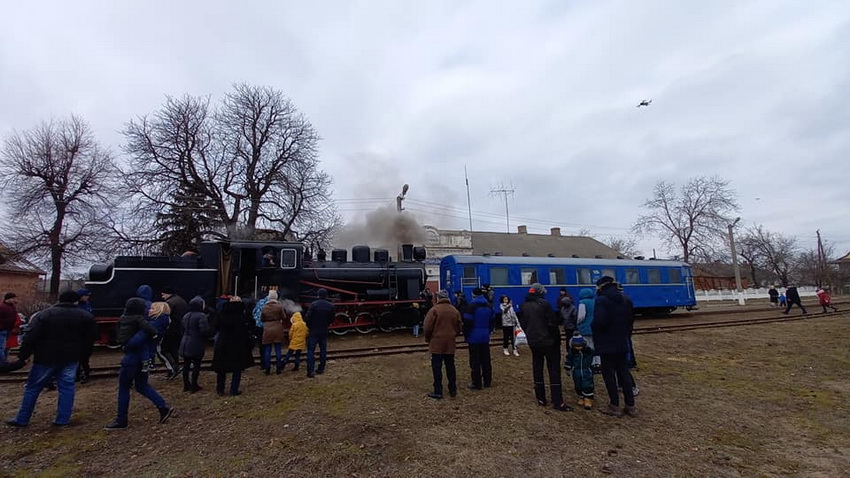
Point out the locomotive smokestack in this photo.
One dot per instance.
(407, 252)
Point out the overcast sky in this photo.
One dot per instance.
(535, 96)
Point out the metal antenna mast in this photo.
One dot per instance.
(505, 192)
(468, 199)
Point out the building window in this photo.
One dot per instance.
(632, 276)
(583, 276)
(675, 276)
(529, 276)
(654, 276)
(499, 276)
(557, 276)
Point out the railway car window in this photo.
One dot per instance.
(654, 276)
(557, 276)
(288, 259)
(583, 276)
(632, 276)
(469, 278)
(610, 273)
(529, 276)
(499, 276)
(675, 276)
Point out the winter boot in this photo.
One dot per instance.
(505, 351)
(516, 352)
(612, 410)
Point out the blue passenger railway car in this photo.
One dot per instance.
(655, 286)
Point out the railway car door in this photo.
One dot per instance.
(689, 282)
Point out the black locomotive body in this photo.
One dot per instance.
(369, 291)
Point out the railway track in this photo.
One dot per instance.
(375, 351)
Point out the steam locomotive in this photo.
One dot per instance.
(369, 292)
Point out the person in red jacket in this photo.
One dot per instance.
(825, 301)
(8, 316)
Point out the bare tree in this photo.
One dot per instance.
(778, 251)
(691, 219)
(250, 163)
(625, 246)
(58, 182)
(751, 253)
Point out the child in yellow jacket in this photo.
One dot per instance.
(297, 341)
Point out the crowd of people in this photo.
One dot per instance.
(597, 331)
(598, 340)
(60, 339)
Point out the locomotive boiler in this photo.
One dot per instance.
(369, 291)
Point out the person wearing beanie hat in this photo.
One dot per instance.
(8, 316)
(318, 319)
(478, 321)
(541, 325)
(579, 364)
(56, 340)
(612, 329)
(274, 333)
(441, 328)
(132, 374)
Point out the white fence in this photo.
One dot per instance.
(725, 294)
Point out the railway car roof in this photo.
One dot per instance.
(561, 261)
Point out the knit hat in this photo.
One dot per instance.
(322, 293)
(68, 296)
(537, 288)
(9, 295)
(604, 280)
(83, 292)
(577, 340)
(477, 291)
(442, 294)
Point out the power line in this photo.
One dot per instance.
(505, 192)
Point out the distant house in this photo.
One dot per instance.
(717, 276)
(441, 243)
(843, 264)
(20, 276)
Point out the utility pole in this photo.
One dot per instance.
(823, 268)
(505, 192)
(735, 262)
(468, 199)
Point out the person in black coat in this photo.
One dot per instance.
(792, 298)
(170, 346)
(319, 317)
(612, 329)
(540, 324)
(58, 340)
(232, 351)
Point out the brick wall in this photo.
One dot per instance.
(24, 285)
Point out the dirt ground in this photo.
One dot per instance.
(768, 400)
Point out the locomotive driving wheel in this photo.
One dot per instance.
(386, 321)
(368, 319)
(341, 324)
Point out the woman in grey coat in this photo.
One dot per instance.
(195, 331)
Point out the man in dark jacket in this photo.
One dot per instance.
(84, 369)
(540, 324)
(478, 321)
(170, 346)
(319, 318)
(793, 297)
(8, 316)
(612, 329)
(62, 335)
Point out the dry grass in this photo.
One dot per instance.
(765, 400)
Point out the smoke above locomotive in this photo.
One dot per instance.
(385, 228)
